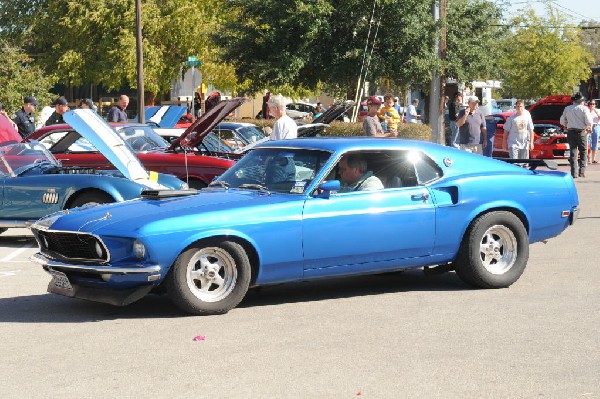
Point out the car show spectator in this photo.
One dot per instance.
(284, 127)
(61, 106)
(25, 117)
(576, 118)
(411, 112)
(595, 112)
(265, 106)
(389, 115)
(371, 124)
(87, 103)
(518, 133)
(118, 113)
(355, 175)
(453, 109)
(397, 106)
(472, 127)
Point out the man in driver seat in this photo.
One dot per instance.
(355, 176)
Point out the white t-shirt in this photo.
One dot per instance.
(519, 128)
(411, 114)
(284, 128)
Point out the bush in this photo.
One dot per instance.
(412, 131)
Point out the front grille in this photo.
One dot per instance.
(71, 246)
(558, 153)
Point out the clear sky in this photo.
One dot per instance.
(574, 10)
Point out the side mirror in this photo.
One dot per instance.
(324, 190)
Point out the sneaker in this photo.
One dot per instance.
(582, 174)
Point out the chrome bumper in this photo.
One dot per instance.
(40, 259)
(574, 215)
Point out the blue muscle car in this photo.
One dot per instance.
(289, 211)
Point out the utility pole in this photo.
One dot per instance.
(443, 48)
(434, 100)
(140, 60)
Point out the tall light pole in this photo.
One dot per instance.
(193, 62)
(140, 60)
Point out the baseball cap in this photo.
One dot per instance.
(473, 99)
(372, 100)
(60, 101)
(30, 100)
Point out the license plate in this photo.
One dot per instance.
(567, 153)
(60, 280)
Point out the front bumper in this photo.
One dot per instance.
(113, 285)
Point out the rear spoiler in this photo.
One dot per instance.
(159, 194)
(533, 163)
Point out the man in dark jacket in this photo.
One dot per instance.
(118, 113)
(25, 118)
(61, 106)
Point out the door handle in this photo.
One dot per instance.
(420, 197)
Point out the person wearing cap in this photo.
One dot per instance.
(471, 127)
(371, 124)
(118, 113)
(87, 103)
(411, 112)
(25, 117)
(284, 127)
(61, 106)
(576, 118)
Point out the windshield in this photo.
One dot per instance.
(250, 134)
(15, 158)
(142, 138)
(275, 169)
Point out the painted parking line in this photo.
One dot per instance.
(16, 253)
(9, 273)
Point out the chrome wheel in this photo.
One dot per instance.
(498, 249)
(211, 274)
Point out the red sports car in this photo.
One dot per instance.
(181, 158)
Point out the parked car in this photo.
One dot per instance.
(506, 104)
(196, 166)
(278, 215)
(35, 184)
(300, 110)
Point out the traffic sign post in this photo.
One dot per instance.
(193, 62)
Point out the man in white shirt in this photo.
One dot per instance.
(518, 133)
(411, 112)
(285, 127)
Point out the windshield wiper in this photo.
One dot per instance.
(220, 183)
(259, 187)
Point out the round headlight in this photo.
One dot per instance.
(139, 250)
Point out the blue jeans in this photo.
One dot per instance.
(454, 129)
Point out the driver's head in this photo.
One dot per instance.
(352, 167)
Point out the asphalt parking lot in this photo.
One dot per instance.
(396, 335)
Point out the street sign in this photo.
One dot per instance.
(192, 61)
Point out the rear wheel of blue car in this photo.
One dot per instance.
(494, 251)
(210, 277)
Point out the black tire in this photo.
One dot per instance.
(196, 184)
(211, 277)
(91, 198)
(494, 251)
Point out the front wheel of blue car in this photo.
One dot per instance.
(209, 277)
(494, 252)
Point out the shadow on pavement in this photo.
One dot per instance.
(51, 308)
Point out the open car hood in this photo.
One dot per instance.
(95, 129)
(8, 133)
(163, 116)
(549, 109)
(193, 135)
(334, 112)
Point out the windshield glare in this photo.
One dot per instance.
(15, 156)
(280, 170)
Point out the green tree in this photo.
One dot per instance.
(19, 78)
(543, 56)
(304, 44)
(94, 41)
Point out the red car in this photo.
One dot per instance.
(549, 140)
(181, 158)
